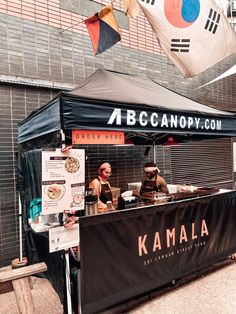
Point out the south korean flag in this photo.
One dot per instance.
(195, 34)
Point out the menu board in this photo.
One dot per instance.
(63, 176)
(61, 238)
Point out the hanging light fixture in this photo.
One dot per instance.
(170, 142)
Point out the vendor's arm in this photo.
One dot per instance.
(161, 183)
(141, 189)
(95, 184)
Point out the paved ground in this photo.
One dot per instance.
(45, 299)
(213, 292)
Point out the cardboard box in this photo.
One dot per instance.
(115, 194)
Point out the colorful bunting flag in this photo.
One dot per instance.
(131, 8)
(103, 29)
(195, 34)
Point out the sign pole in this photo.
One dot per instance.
(68, 287)
(67, 261)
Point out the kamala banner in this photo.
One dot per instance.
(134, 251)
(93, 116)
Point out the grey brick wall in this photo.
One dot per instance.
(15, 104)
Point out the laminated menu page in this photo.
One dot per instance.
(63, 177)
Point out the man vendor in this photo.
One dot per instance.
(151, 181)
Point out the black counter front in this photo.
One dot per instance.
(128, 253)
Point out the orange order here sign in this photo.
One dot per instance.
(97, 137)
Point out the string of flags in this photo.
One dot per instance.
(194, 34)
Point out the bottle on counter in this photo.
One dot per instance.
(109, 205)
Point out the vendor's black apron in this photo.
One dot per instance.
(150, 186)
(106, 194)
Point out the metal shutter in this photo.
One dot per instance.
(207, 163)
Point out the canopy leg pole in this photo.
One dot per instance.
(79, 282)
(154, 152)
(79, 291)
(20, 229)
(21, 261)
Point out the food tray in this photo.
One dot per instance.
(201, 191)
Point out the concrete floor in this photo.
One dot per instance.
(211, 293)
(208, 292)
(45, 299)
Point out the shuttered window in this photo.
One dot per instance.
(207, 163)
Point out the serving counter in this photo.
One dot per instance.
(133, 251)
(127, 253)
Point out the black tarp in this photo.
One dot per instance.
(115, 101)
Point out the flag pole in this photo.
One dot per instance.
(66, 29)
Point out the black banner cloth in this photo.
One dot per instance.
(131, 252)
(92, 116)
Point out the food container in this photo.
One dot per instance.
(127, 202)
(135, 187)
(91, 202)
(155, 197)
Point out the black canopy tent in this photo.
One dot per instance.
(115, 101)
(146, 111)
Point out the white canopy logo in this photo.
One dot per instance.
(162, 120)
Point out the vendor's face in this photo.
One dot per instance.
(150, 174)
(105, 173)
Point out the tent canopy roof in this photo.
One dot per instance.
(125, 88)
(116, 101)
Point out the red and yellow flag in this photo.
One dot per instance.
(103, 29)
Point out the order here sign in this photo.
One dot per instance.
(97, 137)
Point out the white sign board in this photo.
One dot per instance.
(61, 238)
(234, 156)
(63, 176)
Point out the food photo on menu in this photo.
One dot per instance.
(72, 164)
(55, 191)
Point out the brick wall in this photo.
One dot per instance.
(15, 104)
(32, 48)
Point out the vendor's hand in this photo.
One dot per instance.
(70, 219)
(112, 209)
(136, 193)
(69, 222)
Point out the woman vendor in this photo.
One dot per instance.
(102, 186)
